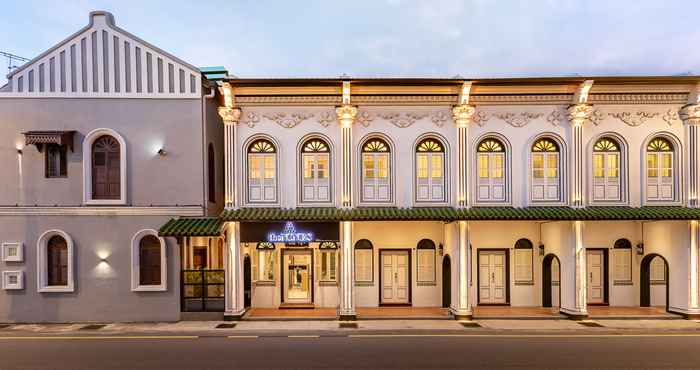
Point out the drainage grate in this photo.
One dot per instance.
(348, 325)
(591, 324)
(93, 327)
(4, 326)
(226, 326)
(470, 324)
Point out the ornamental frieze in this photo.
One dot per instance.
(326, 118)
(671, 116)
(480, 118)
(555, 117)
(402, 120)
(633, 120)
(439, 118)
(518, 120)
(251, 119)
(288, 120)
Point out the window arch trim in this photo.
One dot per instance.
(136, 263)
(677, 168)
(326, 149)
(623, 168)
(42, 263)
(88, 142)
(506, 150)
(556, 146)
(246, 169)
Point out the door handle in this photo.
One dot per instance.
(590, 277)
(396, 277)
(493, 277)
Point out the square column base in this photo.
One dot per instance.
(233, 315)
(461, 314)
(574, 314)
(347, 317)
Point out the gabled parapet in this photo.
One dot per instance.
(103, 60)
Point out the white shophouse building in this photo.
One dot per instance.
(153, 189)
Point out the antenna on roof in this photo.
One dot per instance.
(11, 59)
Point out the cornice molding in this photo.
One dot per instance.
(185, 211)
(662, 98)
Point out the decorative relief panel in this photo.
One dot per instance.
(326, 118)
(671, 116)
(365, 118)
(288, 120)
(402, 120)
(439, 118)
(555, 118)
(480, 118)
(518, 120)
(251, 118)
(633, 120)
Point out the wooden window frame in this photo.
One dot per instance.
(361, 245)
(422, 246)
(523, 244)
(42, 263)
(136, 285)
(90, 138)
(62, 161)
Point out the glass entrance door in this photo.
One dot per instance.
(297, 277)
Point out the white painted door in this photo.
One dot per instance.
(596, 286)
(395, 284)
(492, 277)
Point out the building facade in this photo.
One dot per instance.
(141, 188)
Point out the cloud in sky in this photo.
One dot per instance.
(436, 38)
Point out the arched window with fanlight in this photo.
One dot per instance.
(430, 171)
(315, 179)
(262, 172)
(106, 168)
(545, 165)
(376, 171)
(661, 173)
(491, 171)
(607, 185)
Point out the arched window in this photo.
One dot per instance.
(211, 173)
(660, 170)
(376, 171)
(491, 165)
(523, 261)
(106, 168)
(57, 261)
(546, 170)
(425, 266)
(364, 254)
(622, 254)
(606, 170)
(149, 264)
(315, 183)
(262, 172)
(430, 171)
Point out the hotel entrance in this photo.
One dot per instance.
(298, 277)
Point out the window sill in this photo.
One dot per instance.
(364, 283)
(426, 283)
(328, 283)
(149, 288)
(657, 282)
(264, 283)
(623, 283)
(56, 289)
(105, 202)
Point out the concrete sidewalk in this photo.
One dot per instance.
(216, 328)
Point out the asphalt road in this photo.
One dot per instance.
(396, 352)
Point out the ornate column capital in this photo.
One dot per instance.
(230, 115)
(690, 114)
(462, 114)
(579, 113)
(346, 115)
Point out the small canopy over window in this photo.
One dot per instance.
(606, 170)
(491, 160)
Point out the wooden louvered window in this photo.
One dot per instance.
(106, 168)
(149, 260)
(55, 161)
(57, 261)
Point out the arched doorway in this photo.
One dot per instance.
(247, 291)
(446, 282)
(653, 275)
(551, 276)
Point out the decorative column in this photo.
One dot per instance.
(462, 115)
(231, 116)
(690, 114)
(462, 309)
(578, 114)
(346, 117)
(233, 284)
(579, 309)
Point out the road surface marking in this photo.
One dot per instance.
(97, 337)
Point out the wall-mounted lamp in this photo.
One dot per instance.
(541, 249)
(640, 249)
(162, 152)
(19, 151)
(104, 259)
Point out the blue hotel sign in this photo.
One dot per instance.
(290, 234)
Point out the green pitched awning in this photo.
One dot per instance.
(210, 226)
(449, 214)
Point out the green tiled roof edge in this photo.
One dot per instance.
(210, 226)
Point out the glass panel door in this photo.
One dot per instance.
(297, 277)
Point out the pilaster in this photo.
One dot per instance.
(462, 309)
(346, 311)
(690, 114)
(463, 115)
(578, 309)
(233, 284)
(346, 117)
(231, 117)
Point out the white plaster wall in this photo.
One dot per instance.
(558, 239)
(490, 235)
(671, 239)
(400, 235)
